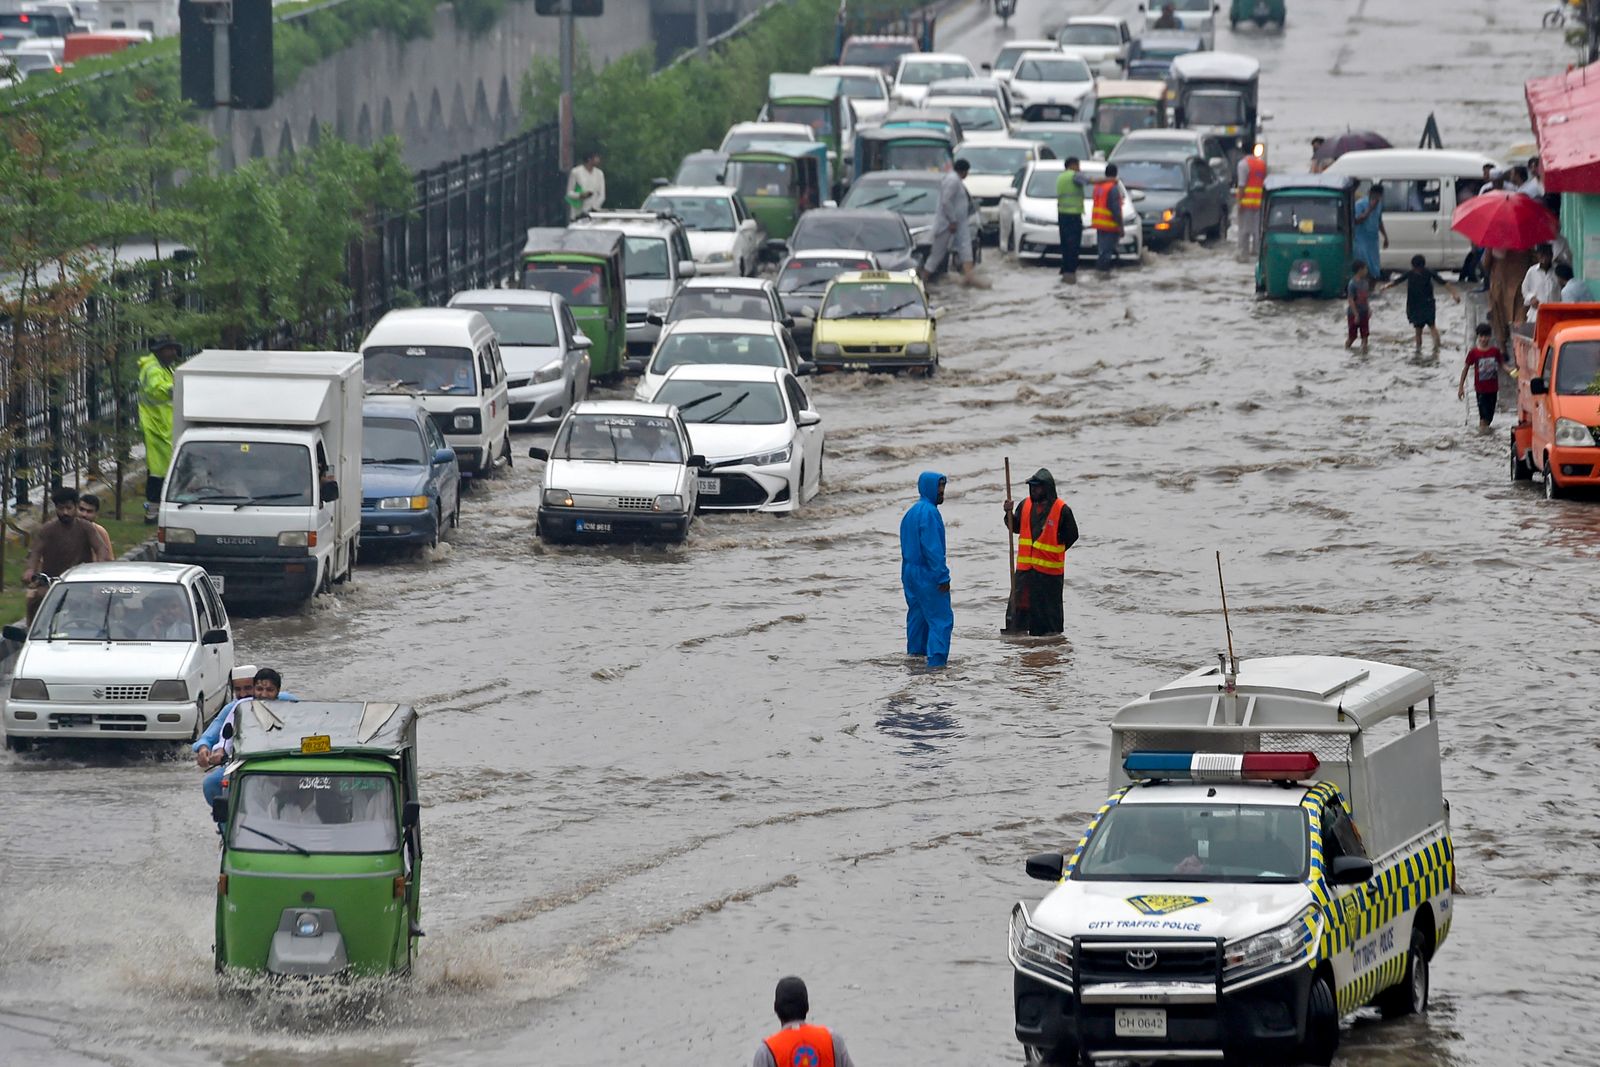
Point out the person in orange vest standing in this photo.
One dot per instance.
(1252, 181)
(1106, 218)
(1045, 528)
(797, 1042)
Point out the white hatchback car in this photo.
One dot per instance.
(918, 70)
(1028, 223)
(739, 342)
(618, 470)
(1050, 79)
(983, 119)
(865, 87)
(757, 432)
(723, 235)
(121, 652)
(1102, 41)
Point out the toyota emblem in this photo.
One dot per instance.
(1141, 959)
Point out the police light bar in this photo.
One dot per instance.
(1221, 766)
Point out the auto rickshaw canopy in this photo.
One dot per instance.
(310, 727)
(818, 88)
(548, 240)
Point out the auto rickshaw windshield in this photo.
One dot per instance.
(1214, 109)
(761, 178)
(1122, 118)
(818, 116)
(580, 284)
(315, 813)
(1307, 215)
(903, 156)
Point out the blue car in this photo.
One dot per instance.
(410, 479)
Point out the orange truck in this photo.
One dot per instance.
(1557, 434)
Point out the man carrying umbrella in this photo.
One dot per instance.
(1508, 224)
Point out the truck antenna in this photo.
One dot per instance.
(1230, 665)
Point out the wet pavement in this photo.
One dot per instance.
(657, 779)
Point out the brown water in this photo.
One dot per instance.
(656, 780)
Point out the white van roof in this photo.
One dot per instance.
(454, 327)
(1411, 163)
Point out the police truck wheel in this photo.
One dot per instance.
(1410, 997)
(1322, 1023)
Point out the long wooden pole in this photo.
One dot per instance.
(1011, 560)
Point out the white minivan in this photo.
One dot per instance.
(1421, 189)
(448, 358)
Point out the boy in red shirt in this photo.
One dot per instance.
(1484, 360)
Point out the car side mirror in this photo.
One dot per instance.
(214, 637)
(442, 456)
(1265, 116)
(330, 492)
(660, 183)
(538, 453)
(808, 312)
(15, 633)
(219, 810)
(581, 341)
(936, 313)
(1046, 866)
(1350, 870)
(1536, 386)
(805, 367)
(1138, 194)
(695, 460)
(808, 418)
(776, 247)
(655, 318)
(1009, 194)
(411, 814)
(687, 268)
(985, 66)
(633, 366)
(788, 322)
(830, 202)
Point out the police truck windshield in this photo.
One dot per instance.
(1197, 842)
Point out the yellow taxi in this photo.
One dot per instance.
(876, 320)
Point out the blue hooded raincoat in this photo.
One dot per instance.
(929, 619)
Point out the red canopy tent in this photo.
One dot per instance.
(1565, 109)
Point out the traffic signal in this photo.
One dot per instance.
(576, 8)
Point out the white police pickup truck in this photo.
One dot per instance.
(1276, 854)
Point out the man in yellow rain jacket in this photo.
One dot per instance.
(155, 417)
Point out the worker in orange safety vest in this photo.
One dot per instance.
(797, 1042)
(1045, 528)
(1106, 218)
(1252, 181)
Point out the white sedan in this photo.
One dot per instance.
(723, 236)
(918, 70)
(993, 167)
(1102, 41)
(121, 652)
(1028, 223)
(983, 118)
(865, 87)
(744, 342)
(757, 431)
(1051, 80)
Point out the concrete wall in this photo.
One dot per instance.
(444, 95)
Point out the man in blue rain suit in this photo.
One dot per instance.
(924, 574)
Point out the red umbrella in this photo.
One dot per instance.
(1498, 218)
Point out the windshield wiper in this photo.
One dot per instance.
(611, 435)
(269, 496)
(396, 459)
(878, 314)
(735, 403)
(698, 400)
(877, 200)
(290, 845)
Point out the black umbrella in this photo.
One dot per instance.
(1351, 141)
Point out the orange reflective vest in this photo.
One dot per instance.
(1102, 218)
(1047, 555)
(804, 1046)
(1255, 183)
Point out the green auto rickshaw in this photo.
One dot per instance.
(1260, 12)
(1125, 106)
(813, 100)
(321, 846)
(585, 266)
(780, 181)
(1306, 236)
(903, 148)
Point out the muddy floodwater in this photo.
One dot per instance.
(656, 780)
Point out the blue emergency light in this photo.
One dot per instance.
(1221, 766)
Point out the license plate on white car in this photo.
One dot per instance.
(585, 526)
(1141, 1022)
(217, 582)
(709, 486)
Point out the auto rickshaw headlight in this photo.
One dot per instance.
(307, 924)
(1573, 434)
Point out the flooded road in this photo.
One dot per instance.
(656, 780)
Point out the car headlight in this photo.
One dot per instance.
(1572, 434)
(1036, 949)
(1166, 216)
(827, 348)
(557, 498)
(767, 459)
(918, 348)
(403, 503)
(1034, 220)
(170, 689)
(720, 257)
(1282, 944)
(669, 502)
(466, 422)
(29, 689)
(547, 373)
(297, 539)
(176, 535)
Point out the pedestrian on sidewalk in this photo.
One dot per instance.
(1358, 305)
(924, 574)
(1420, 310)
(586, 187)
(1106, 219)
(797, 1042)
(59, 545)
(1046, 528)
(1483, 360)
(1069, 216)
(89, 512)
(155, 418)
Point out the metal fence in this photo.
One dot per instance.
(467, 225)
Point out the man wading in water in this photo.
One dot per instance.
(1046, 528)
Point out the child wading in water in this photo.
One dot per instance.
(1484, 362)
(1420, 311)
(1358, 305)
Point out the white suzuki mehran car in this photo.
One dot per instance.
(121, 652)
